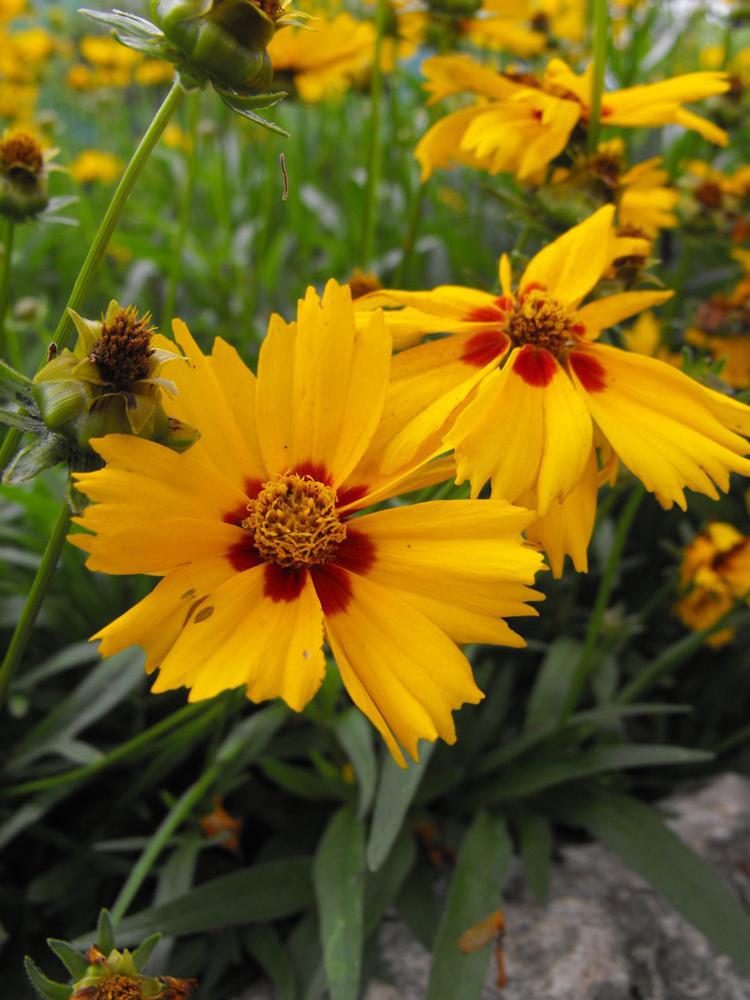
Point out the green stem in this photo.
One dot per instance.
(410, 239)
(602, 599)
(675, 655)
(103, 235)
(374, 152)
(600, 18)
(5, 279)
(179, 812)
(24, 626)
(183, 218)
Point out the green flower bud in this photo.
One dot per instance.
(23, 176)
(225, 40)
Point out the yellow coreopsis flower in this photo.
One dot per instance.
(723, 329)
(527, 396)
(520, 123)
(714, 575)
(327, 62)
(95, 165)
(261, 558)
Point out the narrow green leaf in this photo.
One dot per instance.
(304, 783)
(264, 892)
(552, 685)
(339, 875)
(530, 776)
(45, 987)
(535, 833)
(105, 933)
(638, 834)
(354, 733)
(417, 905)
(72, 959)
(396, 790)
(384, 885)
(473, 894)
(265, 946)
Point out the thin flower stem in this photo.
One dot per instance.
(171, 822)
(5, 279)
(25, 624)
(410, 239)
(596, 620)
(183, 218)
(103, 235)
(374, 155)
(600, 18)
(676, 654)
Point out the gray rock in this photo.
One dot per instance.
(603, 934)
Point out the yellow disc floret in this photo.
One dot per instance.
(542, 321)
(294, 522)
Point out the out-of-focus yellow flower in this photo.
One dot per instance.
(18, 101)
(520, 123)
(526, 27)
(723, 329)
(363, 282)
(176, 138)
(10, 9)
(325, 63)
(645, 337)
(153, 72)
(23, 174)
(80, 77)
(714, 575)
(95, 165)
(107, 53)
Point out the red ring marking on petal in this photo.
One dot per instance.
(535, 366)
(350, 494)
(590, 372)
(578, 329)
(332, 587)
(315, 470)
(533, 286)
(243, 555)
(283, 583)
(356, 554)
(484, 347)
(485, 314)
(239, 513)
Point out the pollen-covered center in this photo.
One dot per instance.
(21, 151)
(123, 351)
(542, 321)
(118, 988)
(294, 522)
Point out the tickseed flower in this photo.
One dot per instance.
(95, 165)
(23, 175)
(255, 535)
(111, 382)
(537, 397)
(520, 122)
(723, 329)
(325, 64)
(714, 575)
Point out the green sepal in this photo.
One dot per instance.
(235, 102)
(43, 986)
(62, 401)
(105, 933)
(143, 952)
(46, 451)
(73, 960)
(14, 386)
(134, 32)
(21, 421)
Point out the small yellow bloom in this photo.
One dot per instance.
(176, 138)
(95, 165)
(153, 72)
(530, 399)
(253, 532)
(324, 63)
(521, 123)
(714, 574)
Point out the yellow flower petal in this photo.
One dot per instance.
(401, 670)
(321, 386)
(603, 313)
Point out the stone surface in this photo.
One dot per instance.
(604, 934)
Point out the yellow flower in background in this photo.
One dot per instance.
(714, 575)
(520, 123)
(253, 533)
(525, 27)
(527, 396)
(645, 337)
(95, 165)
(174, 137)
(325, 63)
(10, 9)
(153, 72)
(723, 329)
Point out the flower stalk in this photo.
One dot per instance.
(600, 17)
(5, 279)
(374, 155)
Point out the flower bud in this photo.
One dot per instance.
(225, 40)
(23, 176)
